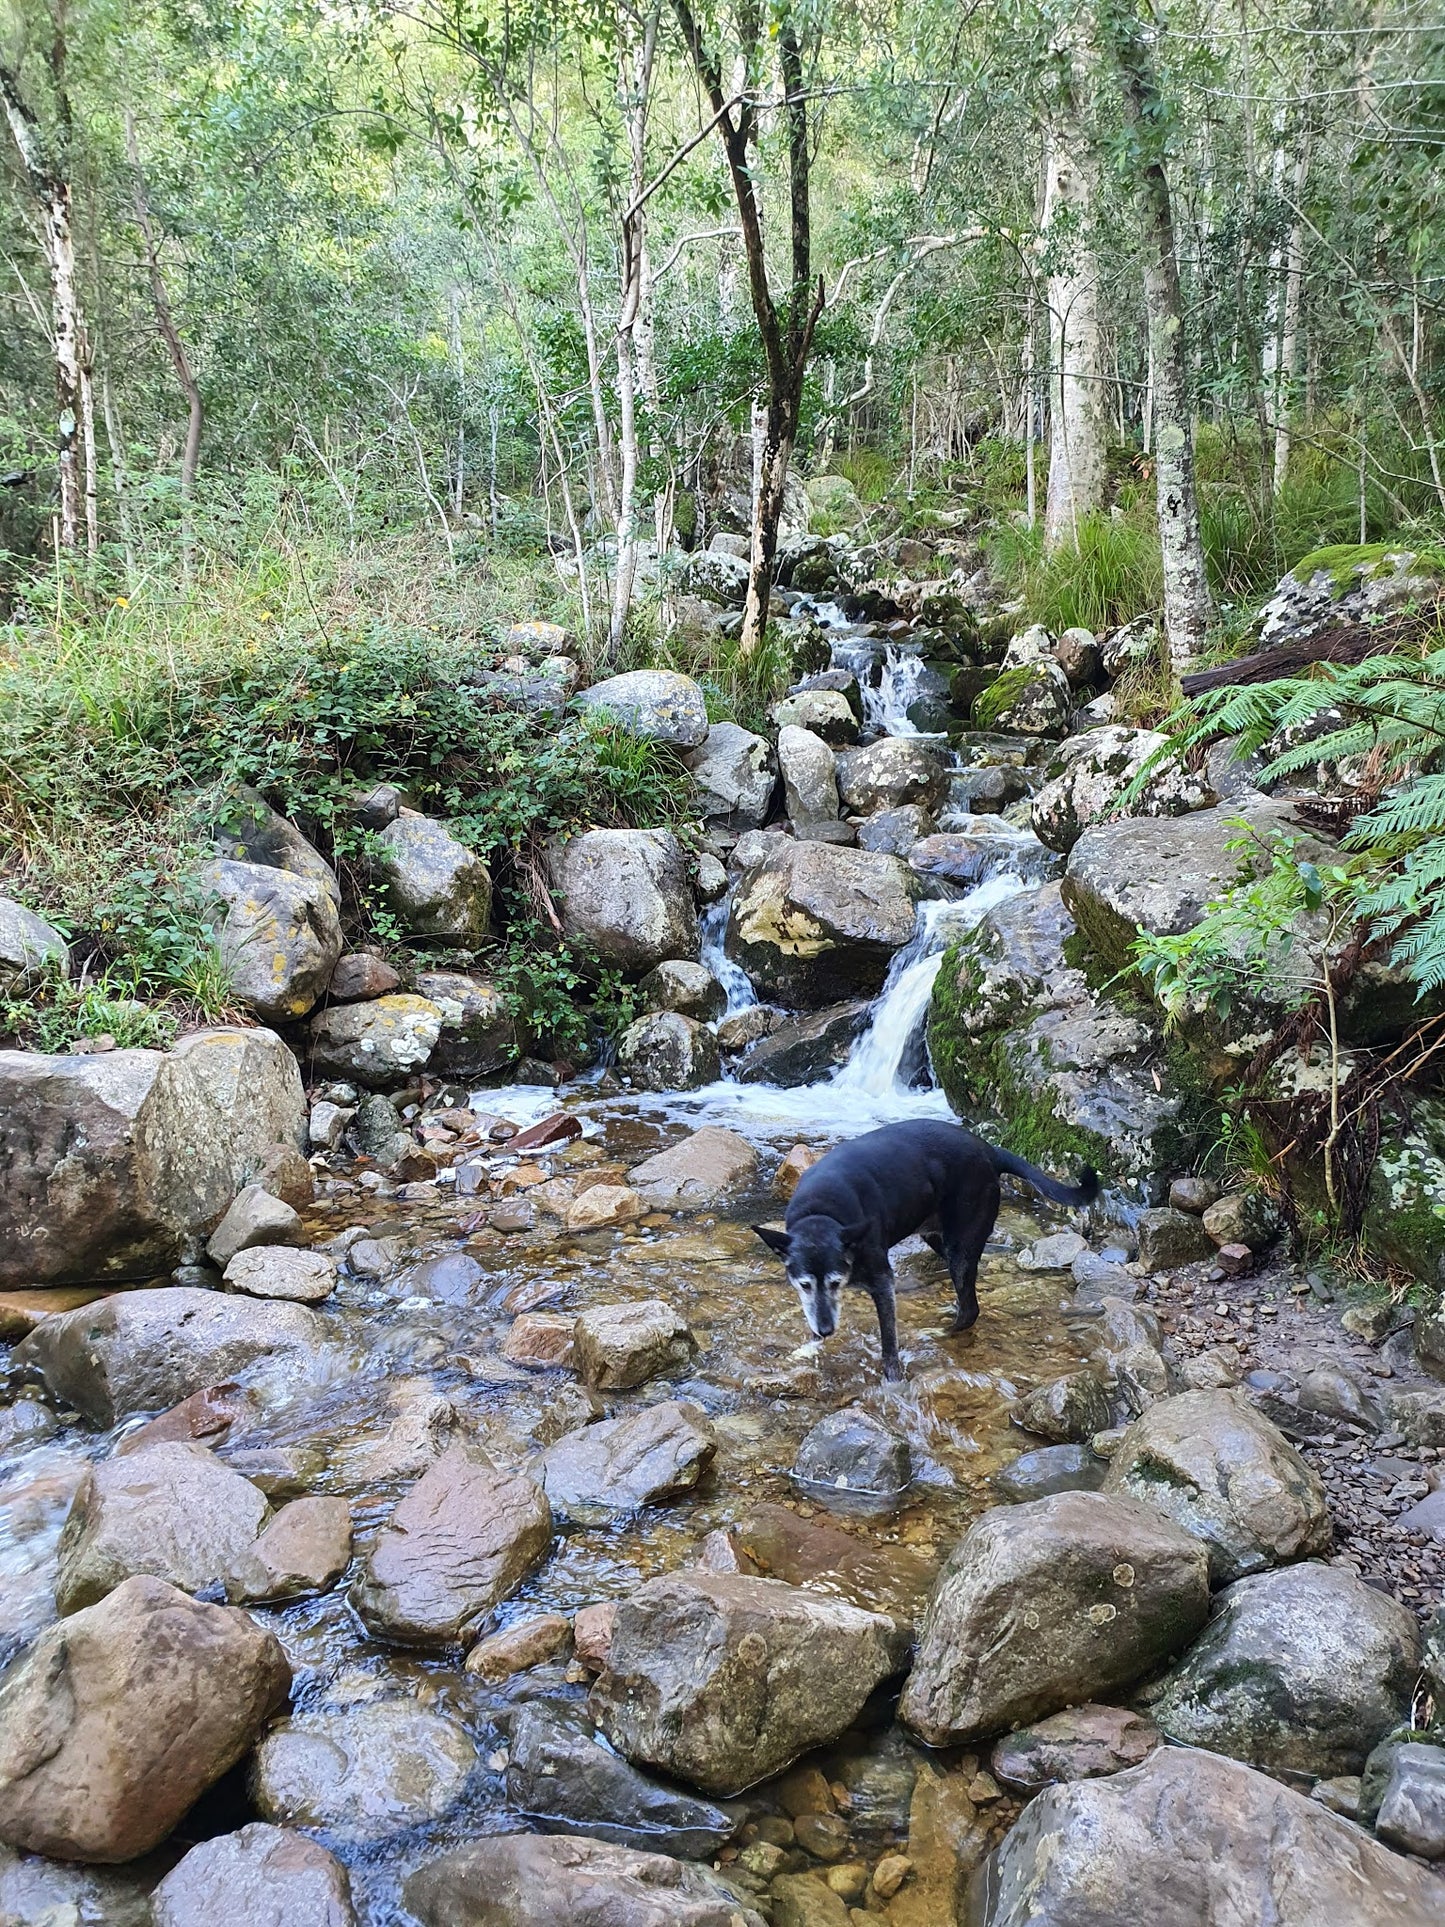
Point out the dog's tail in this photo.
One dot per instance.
(1084, 1192)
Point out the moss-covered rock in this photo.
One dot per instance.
(1405, 1215)
(1030, 699)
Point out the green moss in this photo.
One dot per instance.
(1349, 563)
(1007, 689)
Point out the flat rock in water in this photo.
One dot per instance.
(275, 1271)
(851, 1451)
(1084, 1743)
(722, 1680)
(1053, 1468)
(656, 1453)
(883, 1578)
(143, 1702)
(702, 1169)
(305, 1549)
(362, 1772)
(620, 1346)
(1192, 1840)
(263, 1876)
(541, 1880)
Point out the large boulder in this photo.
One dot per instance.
(803, 1050)
(265, 1876)
(171, 1511)
(361, 1772)
(1191, 1840)
(144, 1351)
(812, 923)
(382, 1044)
(479, 1035)
(655, 703)
(735, 773)
(1088, 774)
(539, 1880)
(1216, 1466)
(626, 893)
(1352, 586)
(116, 1720)
(29, 946)
(1046, 1605)
(437, 886)
(279, 936)
(715, 575)
(824, 713)
(1030, 699)
(245, 829)
(111, 1165)
(810, 778)
(599, 1471)
(893, 771)
(666, 1051)
(1299, 1671)
(705, 1167)
(722, 1680)
(461, 1541)
(688, 988)
(833, 504)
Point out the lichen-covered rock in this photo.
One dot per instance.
(812, 923)
(716, 576)
(245, 829)
(1217, 1467)
(735, 772)
(893, 771)
(279, 936)
(478, 1033)
(1353, 584)
(437, 886)
(1031, 699)
(537, 1880)
(722, 1680)
(29, 946)
(1045, 1605)
(1300, 1670)
(264, 1876)
(361, 1772)
(833, 504)
(655, 703)
(626, 893)
(1088, 774)
(895, 832)
(810, 777)
(666, 1051)
(689, 988)
(1405, 1209)
(382, 1044)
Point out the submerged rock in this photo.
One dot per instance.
(626, 893)
(362, 1772)
(265, 1876)
(704, 1168)
(851, 1451)
(539, 1880)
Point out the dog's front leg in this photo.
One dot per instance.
(881, 1292)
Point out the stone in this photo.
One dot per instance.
(1084, 1743)
(111, 1166)
(947, 1838)
(851, 1451)
(620, 1346)
(1028, 699)
(704, 1168)
(206, 1418)
(363, 1772)
(1191, 1840)
(810, 777)
(980, 848)
(801, 1158)
(1056, 1252)
(1077, 654)
(382, 1044)
(802, 1900)
(1048, 1604)
(833, 504)
(171, 1512)
(718, 576)
(50, 1893)
(712, 878)
(479, 1033)
(461, 1541)
(359, 975)
(528, 1643)
(626, 892)
(245, 829)
(265, 1876)
(655, 703)
(540, 1880)
(1168, 1238)
(117, 1719)
(142, 1351)
(302, 1551)
(437, 886)
(685, 987)
(668, 1052)
(275, 1271)
(894, 832)
(735, 772)
(878, 1575)
(658, 1452)
(279, 936)
(1087, 776)
(1411, 1815)
(893, 771)
(812, 923)
(1051, 1469)
(24, 1424)
(1247, 1218)
(804, 1050)
(1068, 1410)
(254, 1218)
(1193, 1194)
(592, 1628)
(1212, 1463)
(605, 1207)
(541, 1339)
(561, 1774)
(746, 1026)
(722, 1680)
(1300, 1670)
(29, 948)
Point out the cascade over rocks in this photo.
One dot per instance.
(626, 893)
(722, 1680)
(812, 923)
(537, 1880)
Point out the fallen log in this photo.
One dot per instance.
(1348, 642)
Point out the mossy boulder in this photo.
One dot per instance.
(1352, 583)
(1030, 699)
(1405, 1211)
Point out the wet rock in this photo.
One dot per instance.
(601, 1207)
(947, 1838)
(1087, 775)
(802, 1900)
(542, 1339)
(825, 714)
(26, 1423)
(264, 1876)
(279, 936)
(1191, 1840)
(1084, 1743)
(668, 1052)
(254, 1218)
(382, 1044)
(1168, 1238)
(626, 892)
(529, 1643)
(172, 1512)
(1069, 1410)
(1300, 1671)
(810, 777)
(537, 1880)
(453, 1279)
(461, 1541)
(620, 1346)
(437, 886)
(560, 1774)
(655, 703)
(801, 1158)
(1246, 1218)
(893, 771)
(684, 987)
(812, 923)
(547, 1133)
(110, 1165)
(206, 1417)
(746, 1026)
(803, 1050)
(362, 1773)
(29, 946)
(982, 847)
(479, 1035)
(35, 1892)
(1045, 1605)
(851, 1451)
(141, 1351)
(1411, 1815)
(1053, 1468)
(1057, 1252)
(592, 1629)
(421, 1426)
(881, 1577)
(722, 1680)
(656, 1453)
(735, 771)
(359, 975)
(703, 1169)
(1218, 1468)
(116, 1720)
(304, 1550)
(894, 832)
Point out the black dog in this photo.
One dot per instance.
(865, 1196)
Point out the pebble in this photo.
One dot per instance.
(890, 1873)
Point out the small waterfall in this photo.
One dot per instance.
(712, 928)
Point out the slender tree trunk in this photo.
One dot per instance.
(635, 63)
(1077, 427)
(1188, 605)
(166, 327)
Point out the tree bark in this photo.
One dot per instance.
(1077, 427)
(165, 317)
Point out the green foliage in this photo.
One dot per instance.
(1110, 576)
(559, 993)
(58, 1013)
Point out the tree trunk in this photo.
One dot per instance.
(634, 78)
(1077, 428)
(165, 318)
(774, 458)
(1281, 340)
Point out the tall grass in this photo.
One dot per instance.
(1109, 577)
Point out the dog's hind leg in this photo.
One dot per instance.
(966, 1228)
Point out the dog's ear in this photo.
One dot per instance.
(774, 1239)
